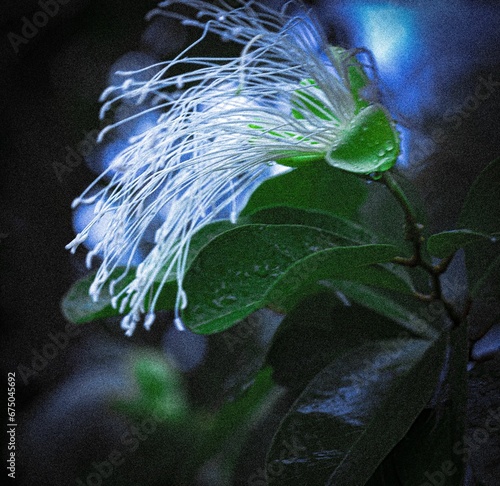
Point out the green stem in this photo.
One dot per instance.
(457, 375)
(414, 233)
(398, 193)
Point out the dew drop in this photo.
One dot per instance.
(261, 271)
(217, 303)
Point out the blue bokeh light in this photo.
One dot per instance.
(419, 52)
(83, 215)
(185, 348)
(423, 52)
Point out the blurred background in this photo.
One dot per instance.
(438, 65)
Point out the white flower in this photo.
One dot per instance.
(286, 99)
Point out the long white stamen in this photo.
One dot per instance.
(220, 126)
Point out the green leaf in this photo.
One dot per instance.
(159, 399)
(369, 144)
(382, 214)
(252, 272)
(161, 391)
(265, 265)
(234, 415)
(354, 412)
(384, 305)
(480, 213)
(346, 230)
(352, 263)
(229, 429)
(358, 80)
(303, 99)
(318, 187)
(319, 329)
(448, 242)
(417, 456)
(489, 278)
(384, 276)
(387, 276)
(78, 307)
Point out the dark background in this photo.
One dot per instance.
(49, 103)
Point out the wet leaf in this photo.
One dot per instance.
(354, 412)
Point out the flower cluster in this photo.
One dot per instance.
(223, 125)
